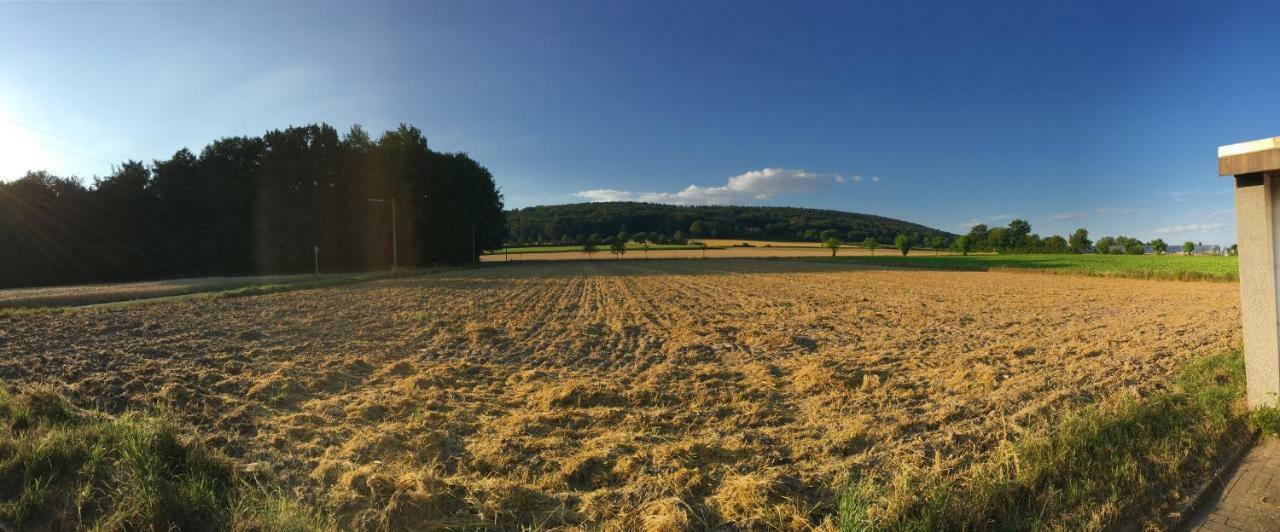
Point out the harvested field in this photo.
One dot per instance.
(624, 394)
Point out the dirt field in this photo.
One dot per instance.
(623, 394)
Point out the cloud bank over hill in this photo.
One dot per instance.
(745, 187)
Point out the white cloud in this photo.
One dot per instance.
(753, 185)
(1189, 228)
(996, 219)
(875, 179)
(1186, 195)
(1078, 215)
(1114, 210)
(1219, 215)
(606, 194)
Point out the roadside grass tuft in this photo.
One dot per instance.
(66, 468)
(1124, 460)
(18, 312)
(1267, 420)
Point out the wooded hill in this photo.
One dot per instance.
(575, 223)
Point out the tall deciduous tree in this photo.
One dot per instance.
(1079, 241)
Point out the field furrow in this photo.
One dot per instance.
(622, 394)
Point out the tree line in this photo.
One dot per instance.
(253, 205)
(574, 224)
(1018, 238)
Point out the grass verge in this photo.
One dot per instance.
(1162, 267)
(62, 468)
(239, 291)
(29, 311)
(1122, 461)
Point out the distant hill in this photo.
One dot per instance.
(575, 222)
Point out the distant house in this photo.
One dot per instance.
(1203, 249)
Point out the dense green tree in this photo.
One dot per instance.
(833, 244)
(1132, 246)
(871, 244)
(1159, 246)
(1079, 241)
(618, 247)
(978, 237)
(937, 243)
(903, 243)
(1189, 247)
(1104, 245)
(963, 245)
(1054, 244)
(1016, 236)
(998, 239)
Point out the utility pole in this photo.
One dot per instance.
(317, 250)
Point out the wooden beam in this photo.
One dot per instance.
(1261, 155)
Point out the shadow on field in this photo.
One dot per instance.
(636, 268)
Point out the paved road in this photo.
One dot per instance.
(1250, 499)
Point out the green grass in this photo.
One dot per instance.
(1175, 267)
(64, 468)
(29, 311)
(1267, 419)
(600, 248)
(1125, 460)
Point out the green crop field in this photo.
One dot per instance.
(599, 248)
(1212, 268)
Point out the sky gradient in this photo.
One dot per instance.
(1104, 115)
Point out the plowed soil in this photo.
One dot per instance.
(625, 394)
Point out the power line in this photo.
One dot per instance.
(64, 150)
(68, 139)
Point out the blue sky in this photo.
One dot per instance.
(1104, 115)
